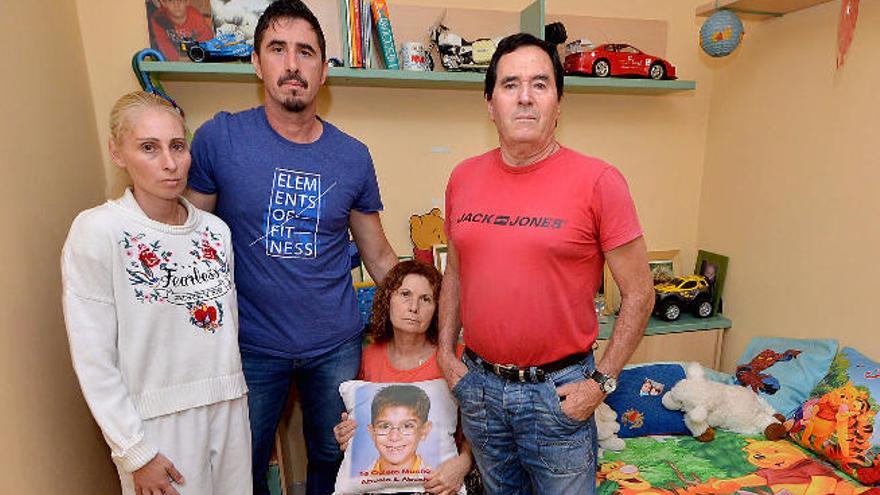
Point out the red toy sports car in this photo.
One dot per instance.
(614, 59)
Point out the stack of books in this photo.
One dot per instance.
(361, 16)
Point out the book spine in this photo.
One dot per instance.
(382, 19)
(350, 57)
(355, 29)
(366, 33)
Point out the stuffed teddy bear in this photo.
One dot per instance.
(607, 428)
(707, 404)
(426, 231)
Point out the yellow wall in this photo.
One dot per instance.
(790, 183)
(51, 170)
(658, 142)
(778, 176)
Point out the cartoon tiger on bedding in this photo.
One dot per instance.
(839, 424)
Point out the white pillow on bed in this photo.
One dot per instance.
(409, 448)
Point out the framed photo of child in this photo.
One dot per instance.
(404, 431)
(713, 266)
(173, 24)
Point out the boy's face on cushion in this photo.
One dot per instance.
(396, 432)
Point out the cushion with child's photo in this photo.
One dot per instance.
(839, 421)
(404, 431)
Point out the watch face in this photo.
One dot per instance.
(610, 385)
(606, 383)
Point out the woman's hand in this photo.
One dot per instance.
(449, 476)
(344, 431)
(156, 476)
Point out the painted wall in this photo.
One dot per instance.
(657, 142)
(779, 176)
(789, 189)
(52, 169)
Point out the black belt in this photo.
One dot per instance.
(515, 373)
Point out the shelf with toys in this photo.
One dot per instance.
(344, 76)
(413, 23)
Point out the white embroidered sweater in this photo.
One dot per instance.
(152, 318)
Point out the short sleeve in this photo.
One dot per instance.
(614, 211)
(369, 200)
(206, 145)
(450, 207)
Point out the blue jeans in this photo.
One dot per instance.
(522, 441)
(317, 382)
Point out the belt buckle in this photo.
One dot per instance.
(510, 370)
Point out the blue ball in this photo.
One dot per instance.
(721, 33)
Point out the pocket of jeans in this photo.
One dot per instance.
(564, 443)
(472, 405)
(554, 403)
(460, 384)
(567, 455)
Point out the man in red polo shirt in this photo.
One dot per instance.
(530, 226)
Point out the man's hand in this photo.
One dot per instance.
(344, 431)
(579, 399)
(156, 476)
(448, 478)
(453, 368)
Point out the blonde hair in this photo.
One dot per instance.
(128, 106)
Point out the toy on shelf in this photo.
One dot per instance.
(223, 47)
(426, 231)
(146, 80)
(707, 405)
(682, 294)
(458, 54)
(614, 59)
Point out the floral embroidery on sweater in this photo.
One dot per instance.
(158, 276)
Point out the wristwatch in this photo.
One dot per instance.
(607, 384)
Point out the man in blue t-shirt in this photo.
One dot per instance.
(290, 186)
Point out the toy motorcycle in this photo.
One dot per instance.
(457, 54)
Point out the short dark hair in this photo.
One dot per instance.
(288, 9)
(512, 43)
(408, 396)
(380, 319)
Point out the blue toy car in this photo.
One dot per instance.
(220, 48)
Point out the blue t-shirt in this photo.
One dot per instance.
(288, 206)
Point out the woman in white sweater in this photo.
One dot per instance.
(151, 316)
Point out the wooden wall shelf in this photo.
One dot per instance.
(343, 76)
(757, 9)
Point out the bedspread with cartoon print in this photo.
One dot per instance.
(731, 464)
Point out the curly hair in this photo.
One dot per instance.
(380, 319)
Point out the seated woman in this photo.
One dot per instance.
(404, 350)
